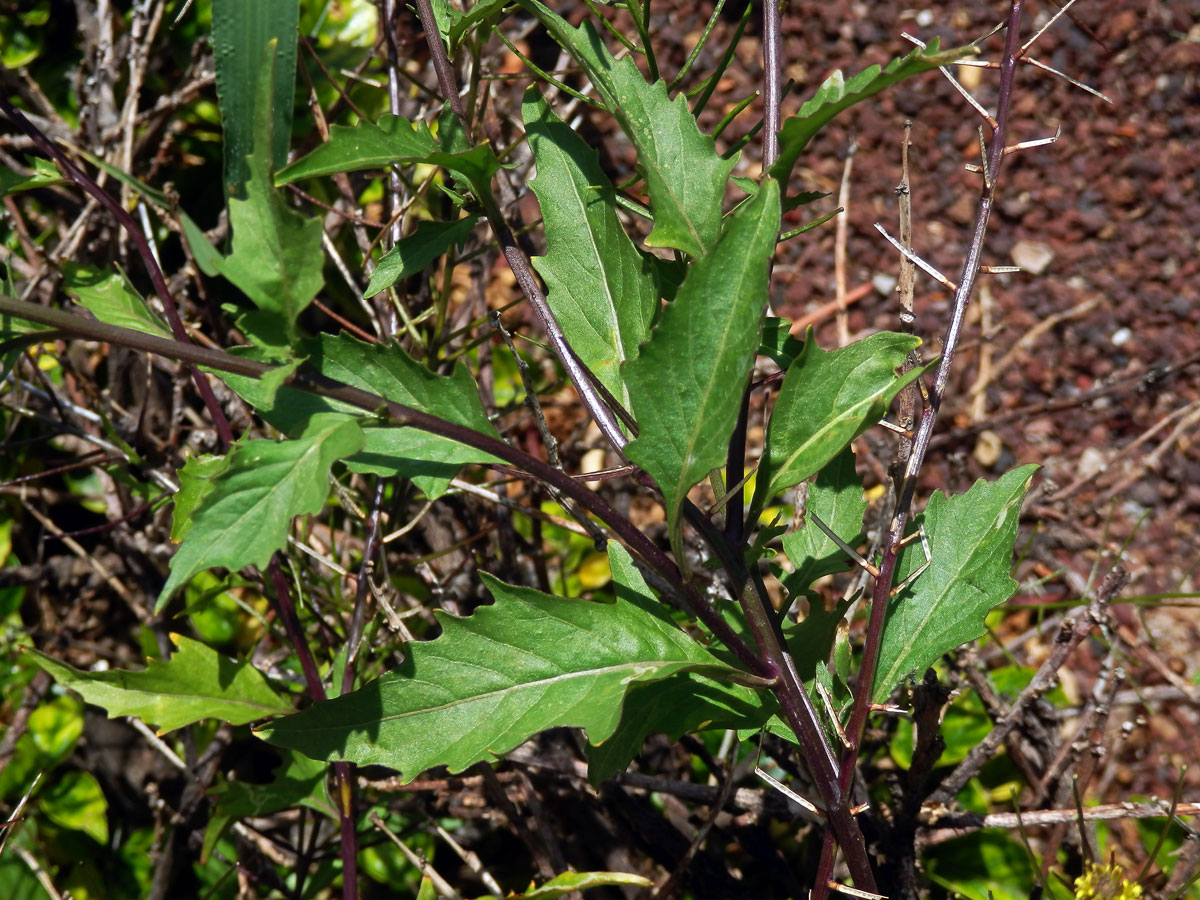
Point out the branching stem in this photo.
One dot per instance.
(882, 590)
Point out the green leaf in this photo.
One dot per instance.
(601, 288)
(686, 386)
(415, 252)
(777, 342)
(299, 781)
(44, 174)
(811, 639)
(196, 683)
(387, 370)
(394, 140)
(524, 664)
(195, 484)
(684, 703)
(54, 729)
(827, 400)
(987, 865)
(430, 460)
(240, 32)
(483, 12)
(111, 298)
(965, 722)
(685, 175)
(245, 515)
(837, 94)
(836, 497)
(152, 195)
(567, 882)
(76, 801)
(445, 15)
(970, 546)
(276, 258)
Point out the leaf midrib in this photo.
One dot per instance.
(697, 430)
(275, 489)
(565, 677)
(221, 699)
(938, 598)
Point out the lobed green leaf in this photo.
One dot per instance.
(490, 681)
(685, 176)
(601, 288)
(686, 386)
(246, 512)
(971, 540)
(195, 683)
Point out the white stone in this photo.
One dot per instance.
(1032, 256)
(884, 283)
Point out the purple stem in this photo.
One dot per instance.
(406, 416)
(343, 772)
(887, 566)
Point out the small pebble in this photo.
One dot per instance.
(883, 283)
(1121, 336)
(1091, 462)
(987, 448)
(1032, 256)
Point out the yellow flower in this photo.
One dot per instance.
(1105, 883)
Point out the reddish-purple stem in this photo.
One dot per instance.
(887, 566)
